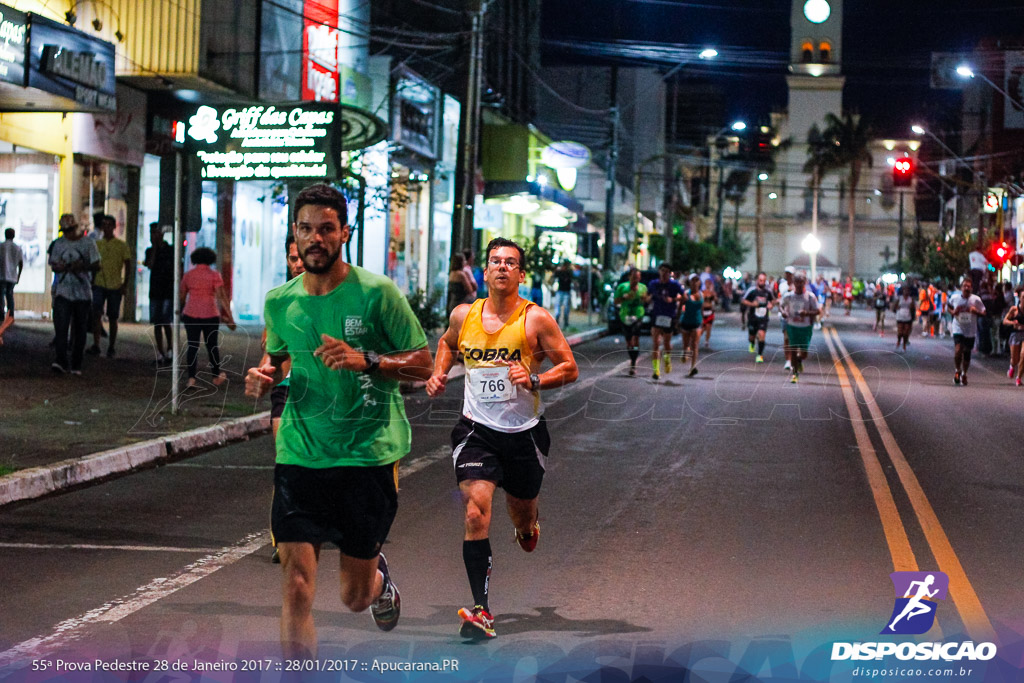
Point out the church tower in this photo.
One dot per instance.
(815, 81)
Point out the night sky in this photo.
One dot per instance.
(887, 47)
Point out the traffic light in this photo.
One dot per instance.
(903, 172)
(1001, 253)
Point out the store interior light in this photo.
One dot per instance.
(772, 195)
(550, 219)
(762, 176)
(519, 205)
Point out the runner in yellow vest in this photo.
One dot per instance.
(501, 439)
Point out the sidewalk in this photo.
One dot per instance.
(58, 431)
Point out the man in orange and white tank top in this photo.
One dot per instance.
(501, 439)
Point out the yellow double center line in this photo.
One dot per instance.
(978, 626)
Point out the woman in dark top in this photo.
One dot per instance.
(691, 321)
(458, 283)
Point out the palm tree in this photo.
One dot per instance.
(844, 144)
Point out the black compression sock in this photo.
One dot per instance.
(760, 348)
(477, 557)
(633, 355)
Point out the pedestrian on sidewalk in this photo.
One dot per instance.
(160, 261)
(206, 304)
(351, 336)
(461, 287)
(12, 261)
(73, 259)
(110, 284)
(563, 300)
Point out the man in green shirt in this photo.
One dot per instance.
(350, 336)
(631, 298)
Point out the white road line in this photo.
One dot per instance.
(208, 466)
(145, 595)
(88, 546)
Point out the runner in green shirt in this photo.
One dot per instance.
(351, 336)
(631, 297)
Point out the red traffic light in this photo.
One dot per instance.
(903, 172)
(1000, 253)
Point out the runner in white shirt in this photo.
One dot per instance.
(966, 308)
(799, 309)
(904, 307)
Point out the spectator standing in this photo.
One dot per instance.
(12, 261)
(73, 259)
(202, 290)
(988, 299)
(467, 258)
(160, 261)
(110, 283)
(460, 284)
(563, 301)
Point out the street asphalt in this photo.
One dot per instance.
(732, 525)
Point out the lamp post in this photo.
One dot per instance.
(737, 126)
(965, 71)
(812, 245)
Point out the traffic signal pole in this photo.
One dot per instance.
(899, 238)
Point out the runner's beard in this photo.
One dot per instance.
(319, 270)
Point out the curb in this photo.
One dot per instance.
(40, 481)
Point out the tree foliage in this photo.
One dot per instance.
(692, 255)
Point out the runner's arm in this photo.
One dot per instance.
(259, 380)
(337, 354)
(552, 345)
(1010, 319)
(447, 351)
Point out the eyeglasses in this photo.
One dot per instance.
(509, 262)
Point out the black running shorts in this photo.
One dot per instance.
(755, 325)
(515, 462)
(351, 507)
(278, 397)
(630, 331)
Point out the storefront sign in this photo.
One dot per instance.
(120, 136)
(13, 29)
(72, 65)
(415, 119)
(320, 82)
(261, 142)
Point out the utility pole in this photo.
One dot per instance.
(720, 194)
(609, 183)
(899, 238)
(814, 218)
(671, 202)
(469, 135)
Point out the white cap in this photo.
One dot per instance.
(790, 269)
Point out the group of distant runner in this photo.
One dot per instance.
(690, 311)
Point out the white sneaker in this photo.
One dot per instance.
(787, 366)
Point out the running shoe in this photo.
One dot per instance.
(956, 378)
(693, 371)
(477, 623)
(759, 359)
(58, 368)
(793, 378)
(1009, 373)
(529, 541)
(386, 609)
(751, 348)
(632, 370)
(668, 364)
(655, 376)
(963, 379)
(1018, 382)
(787, 366)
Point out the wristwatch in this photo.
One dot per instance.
(534, 383)
(372, 359)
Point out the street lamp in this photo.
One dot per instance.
(965, 71)
(812, 245)
(708, 53)
(921, 130)
(736, 126)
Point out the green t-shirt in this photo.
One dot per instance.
(338, 417)
(631, 307)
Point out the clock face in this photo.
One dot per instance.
(817, 11)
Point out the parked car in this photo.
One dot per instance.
(612, 311)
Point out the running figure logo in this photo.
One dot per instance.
(916, 593)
